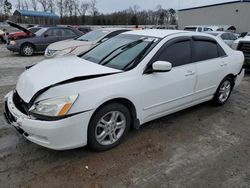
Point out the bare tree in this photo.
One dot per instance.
(44, 4)
(18, 4)
(83, 9)
(76, 7)
(60, 7)
(1, 6)
(51, 6)
(33, 4)
(26, 5)
(134, 9)
(92, 8)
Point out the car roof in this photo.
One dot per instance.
(159, 33)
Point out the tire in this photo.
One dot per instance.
(223, 91)
(102, 131)
(2, 40)
(27, 50)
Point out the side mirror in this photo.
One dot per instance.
(161, 66)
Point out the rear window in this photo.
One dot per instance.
(205, 50)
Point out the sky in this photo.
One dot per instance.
(108, 6)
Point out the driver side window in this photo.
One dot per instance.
(178, 53)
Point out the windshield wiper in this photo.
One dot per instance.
(82, 39)
(136, 60)
(123, 48)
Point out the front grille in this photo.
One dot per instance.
(245, 48)
(20, 104)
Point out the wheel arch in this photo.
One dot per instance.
(30, 43)
(127, 103)
(232, 76)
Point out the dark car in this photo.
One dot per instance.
(39, 41)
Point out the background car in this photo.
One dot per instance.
(198, 28)
(83, 43)
(243, 44)
(84, 30)
(38, 42)
(227, 37)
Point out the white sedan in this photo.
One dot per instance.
(129, 80)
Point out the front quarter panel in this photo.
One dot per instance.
(94, 92)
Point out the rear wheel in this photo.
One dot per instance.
(27, 50)
(224, 91)
(108, 126)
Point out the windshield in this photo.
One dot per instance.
(34, 29)
(41, 31)
(122, 52)
(93, 35)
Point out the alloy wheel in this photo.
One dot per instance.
(110, 128)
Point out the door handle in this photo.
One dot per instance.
(190, 73)
(223, 64)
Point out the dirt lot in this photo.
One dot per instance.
(204, 146)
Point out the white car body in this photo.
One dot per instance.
(76, 47)
(152, 95)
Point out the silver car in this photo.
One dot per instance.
(227, 37)
(83, 43)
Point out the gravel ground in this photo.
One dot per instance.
(203, 146)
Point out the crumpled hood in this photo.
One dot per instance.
(53, 71)
(61, 45)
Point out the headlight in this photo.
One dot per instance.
(54, 107)
(66, 51)
(49, 52)
(12, 42)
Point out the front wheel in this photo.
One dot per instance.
(108, 126)
(27, 50)
(223, 92)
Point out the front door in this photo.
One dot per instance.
(167, 92)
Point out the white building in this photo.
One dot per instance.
(236, 13)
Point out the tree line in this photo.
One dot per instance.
(83, 12)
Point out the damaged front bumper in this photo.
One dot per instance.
(61, 134)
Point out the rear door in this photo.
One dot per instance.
(210, 64)
(67, 33)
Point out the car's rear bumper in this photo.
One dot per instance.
(62, 134)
